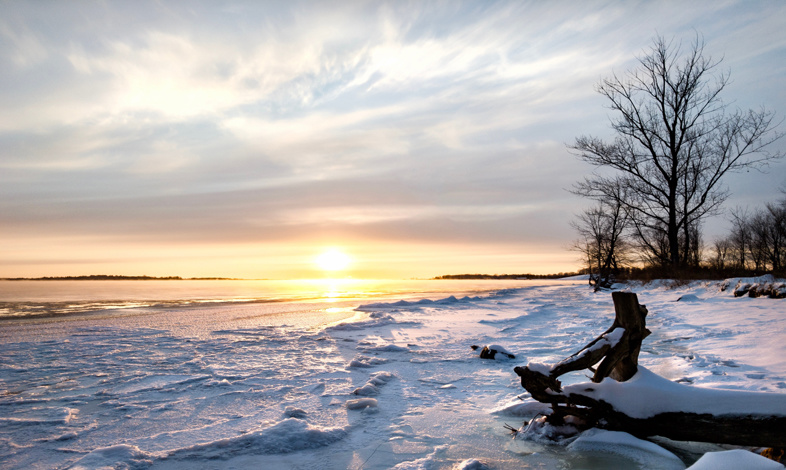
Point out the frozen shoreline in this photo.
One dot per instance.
(397, 386)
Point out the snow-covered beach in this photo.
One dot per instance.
(387, 384)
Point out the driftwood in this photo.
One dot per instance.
(617, 351)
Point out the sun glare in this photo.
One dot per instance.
(333, 260)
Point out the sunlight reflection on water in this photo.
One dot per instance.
(22, 299)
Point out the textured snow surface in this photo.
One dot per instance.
(398, 386)
(647, 394)
(737, 459)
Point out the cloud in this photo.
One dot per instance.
(268, 122)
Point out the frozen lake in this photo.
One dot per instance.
(347, 381)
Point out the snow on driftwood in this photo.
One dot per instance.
(648, 394)
(625, 397)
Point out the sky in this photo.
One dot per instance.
(245, 139)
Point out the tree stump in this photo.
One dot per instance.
(617, 351)
(618, 347)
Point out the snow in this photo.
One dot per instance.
(361, 403)
(377, 386)
(689, 298)
(108, 457)
(647, 454)
(578, 277)
(648, 394)
(612, 337)
(522, 408)
(361, 361)
(426, 463)
(734, 460)
(288, 435)
(539, 367)
(371, 387)
(472, 464)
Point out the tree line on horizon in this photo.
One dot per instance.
(658, 180)
(114, 277)
(506, 276)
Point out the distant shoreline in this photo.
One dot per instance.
(504, 276)
(109, 277)
(105, 277)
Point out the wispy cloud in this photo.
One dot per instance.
(425, 121)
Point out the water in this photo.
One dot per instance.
(58, 299)
(266, 374)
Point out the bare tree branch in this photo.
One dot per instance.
(675, 141)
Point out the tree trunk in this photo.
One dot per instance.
(673, 237)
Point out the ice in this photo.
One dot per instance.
(371, 387)
(293, 412)
(645, 453)
(286, 436)
(391, 384)
(156, 382)
(374, 319)
(540, 431)
(361, 361)
(426, 463)
(521, 408)
(379, 345)
(361, 403)
(471, 464)
(734, 460)
(114, 457)
(386, 348)
(43, 416)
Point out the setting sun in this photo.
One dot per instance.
(333, 260)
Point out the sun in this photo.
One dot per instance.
(333, 260)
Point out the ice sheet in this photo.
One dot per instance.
(247, 393)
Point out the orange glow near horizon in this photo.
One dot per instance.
(44, 256)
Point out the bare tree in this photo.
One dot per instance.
(601, 241)
(760, 233)
(740, 237)
(776, 251)
(692, 244)
(768, 237)
(721, 251)
(675, 141)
